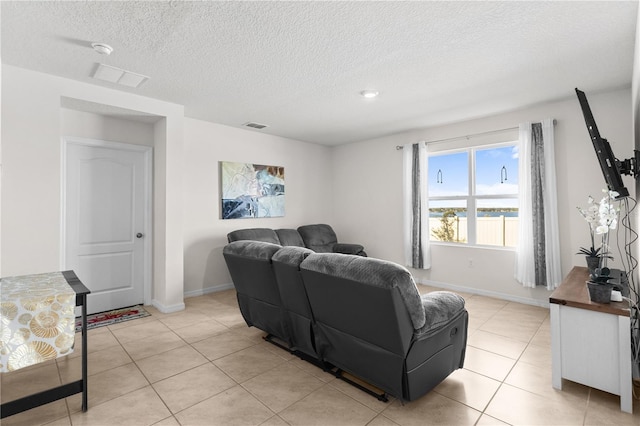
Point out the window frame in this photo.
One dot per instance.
(471, 196)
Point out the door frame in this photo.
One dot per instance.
(147, 151)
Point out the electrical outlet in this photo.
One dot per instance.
(470, 262)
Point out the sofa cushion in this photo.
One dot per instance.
(440, 307)
(320, 238)
(292, 255)
(346, 248)
(255, 234)
(289, 237)
(376, 272)
(252, 249)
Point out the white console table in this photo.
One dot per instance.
(590, 342)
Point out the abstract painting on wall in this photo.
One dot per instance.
(251, 190)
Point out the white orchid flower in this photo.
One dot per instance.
(602, 217)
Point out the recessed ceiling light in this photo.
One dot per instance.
(370, 94)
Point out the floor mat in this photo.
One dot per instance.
(112, 317)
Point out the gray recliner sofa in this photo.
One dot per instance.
(251, 269)
(320, 238)
(295, 302)
(372, 322)
(354, 314)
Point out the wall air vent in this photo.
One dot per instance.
(255, 125)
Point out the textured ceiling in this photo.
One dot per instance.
(299, 66)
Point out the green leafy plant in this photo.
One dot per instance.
(593, 252)
(447, 230)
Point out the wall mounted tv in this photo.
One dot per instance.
(612, 168)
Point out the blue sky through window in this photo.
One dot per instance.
(491, 178)
(449, 174)
(453, 179)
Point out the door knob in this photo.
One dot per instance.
(139, 235)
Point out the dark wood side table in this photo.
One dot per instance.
(590, 342)
(31, 401)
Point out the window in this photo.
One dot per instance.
(473, 195)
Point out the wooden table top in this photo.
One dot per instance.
(573, 292)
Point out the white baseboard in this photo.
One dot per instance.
(454, 287)
(481, 292)
(180, 306)
(167, 309)
(214, 289)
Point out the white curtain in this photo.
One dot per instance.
(538, 250)
(417, 251)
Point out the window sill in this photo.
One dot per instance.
(471, 246)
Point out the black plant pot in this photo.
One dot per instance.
(593, 263)
(600, 292)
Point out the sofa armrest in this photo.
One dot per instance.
(348, 248)
(440, 307)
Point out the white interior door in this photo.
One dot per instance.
(107, 221)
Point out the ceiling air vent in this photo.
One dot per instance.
(255, 125)
(119, 76)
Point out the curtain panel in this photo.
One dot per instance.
(538, 249)
(417, 251)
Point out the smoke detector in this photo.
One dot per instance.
(102, 48)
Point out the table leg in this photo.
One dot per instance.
(626, 398)
(556, 349)
(84, 354)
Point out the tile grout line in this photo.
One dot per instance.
(324, 384)
(150, 384)
(503, 381)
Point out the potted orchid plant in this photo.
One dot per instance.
(601, 218)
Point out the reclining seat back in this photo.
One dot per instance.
(320, 238)
(286, 265)
(289, 237)
(251, 270)
(266, 235)
(366, 311)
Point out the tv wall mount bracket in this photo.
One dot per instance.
(630, 166)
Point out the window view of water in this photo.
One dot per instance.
(481, 212)
(493, 220)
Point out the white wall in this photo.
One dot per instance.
(308, 177)
(635, 94)
(368, 192)
(357, 187)
(0, 156)
(635, 90)
(31, 131)
(188, 232)
(96, 126)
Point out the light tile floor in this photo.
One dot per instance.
(204, 366)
